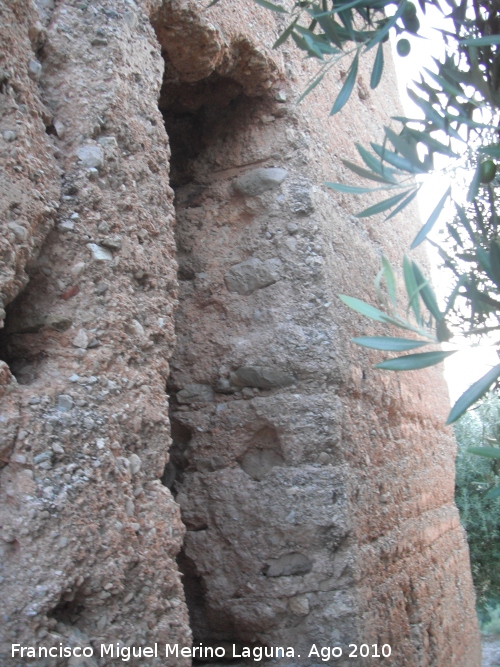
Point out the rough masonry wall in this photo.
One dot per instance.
(88, 533)
(317, 495)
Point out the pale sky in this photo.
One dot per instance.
(468, 365)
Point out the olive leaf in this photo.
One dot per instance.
(413, 362)
(346, 90)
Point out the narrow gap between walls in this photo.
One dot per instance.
(199, 119)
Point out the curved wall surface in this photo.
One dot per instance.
(168, 246)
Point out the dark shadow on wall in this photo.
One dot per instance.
(173, 473)
(26, 325)
(199, 119)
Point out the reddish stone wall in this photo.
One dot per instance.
(89, 534)
(317, 494)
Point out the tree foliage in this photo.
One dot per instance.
(459, 104)
(476, 479)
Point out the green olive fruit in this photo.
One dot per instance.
(409, 10)
(403, 47)
(488, 171)
(411, 23)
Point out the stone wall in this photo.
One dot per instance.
(89, 533)
(316, 494)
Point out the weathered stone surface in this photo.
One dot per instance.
(64, 403)
(34, 69)
(9, 423)
(331, 473)
(288, 565)
(20, 232)
(299, 605)
(135, 464)
(91, 156)
(179, 25)
(5, 377)
(112, 242)
(91, 535)
(257, 181)
(195, 393)
(9, 135)
(58, 322)
(223, 386)
(257, 463)
(100, 254)
(252, 274)
(27, 211)
(108, 143)
(81, 339)
(347, 502)
(261, 377)
(300, 197)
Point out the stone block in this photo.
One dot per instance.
(257, 181)
(91, 156)
(257, 463)
(261, 377)
(288, 565)
(195, 393)
(252, 274)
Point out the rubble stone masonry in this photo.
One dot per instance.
(167, 246)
